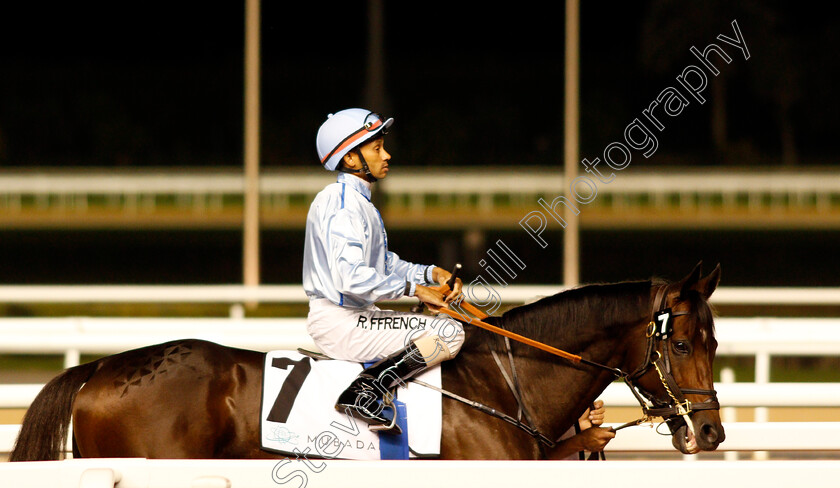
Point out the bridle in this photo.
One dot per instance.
(658, 333)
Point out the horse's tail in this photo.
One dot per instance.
(43, 433)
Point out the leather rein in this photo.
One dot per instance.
(657, 334)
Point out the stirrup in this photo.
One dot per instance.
(377, 422)
(391, 428)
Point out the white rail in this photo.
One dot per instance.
(151, 294)
(107, 335)
(521, 180)
(143, 473)
(741, 437)
(233, 294)
(681, 188)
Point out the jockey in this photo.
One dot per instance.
(347, 268)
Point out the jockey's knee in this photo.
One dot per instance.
(453, 335)
(440, 343)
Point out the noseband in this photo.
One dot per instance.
(659, 333)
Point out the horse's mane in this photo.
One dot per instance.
(577, 311)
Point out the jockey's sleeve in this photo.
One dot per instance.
(419, 274)
(352, 276)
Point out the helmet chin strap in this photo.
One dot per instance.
(365, 169)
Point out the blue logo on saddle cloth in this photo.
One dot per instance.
(298, 415)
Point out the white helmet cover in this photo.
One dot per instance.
(345, 130)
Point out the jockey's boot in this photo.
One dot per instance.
(365, 396)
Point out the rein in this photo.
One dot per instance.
(525, 340)
(677, 406)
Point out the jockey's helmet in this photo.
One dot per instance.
(345, 130)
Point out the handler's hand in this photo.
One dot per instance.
(595, 438)
(593, 416)
(596, 413)
(442, 276)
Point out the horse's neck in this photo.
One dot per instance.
(597, 328)
(557, 391)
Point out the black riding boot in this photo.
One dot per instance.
(364, 397)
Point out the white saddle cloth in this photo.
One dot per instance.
(303, 420)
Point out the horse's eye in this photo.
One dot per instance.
(682, 347)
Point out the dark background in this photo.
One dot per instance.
(160, 84)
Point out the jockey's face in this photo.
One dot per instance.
(375, 155)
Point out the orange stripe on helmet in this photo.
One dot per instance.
(352, 138)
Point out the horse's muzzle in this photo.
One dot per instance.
(706, 435)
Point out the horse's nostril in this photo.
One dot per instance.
(709, 433)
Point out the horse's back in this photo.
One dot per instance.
(181, 399)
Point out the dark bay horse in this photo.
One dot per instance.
(197, 399)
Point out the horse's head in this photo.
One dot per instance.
(676, 376)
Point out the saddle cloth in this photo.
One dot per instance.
(298, 415)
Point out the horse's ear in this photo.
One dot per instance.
(689, 281)
(707, 285)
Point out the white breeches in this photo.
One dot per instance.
(369, 334)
